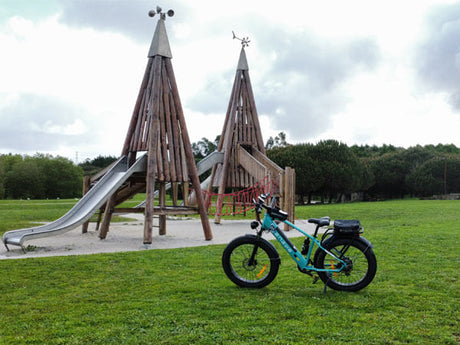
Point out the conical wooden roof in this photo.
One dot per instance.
(156, 122)
(241, 127)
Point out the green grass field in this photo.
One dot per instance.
(181, 296)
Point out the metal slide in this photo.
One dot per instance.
(84, 208)
(202, 166)
(208, 162)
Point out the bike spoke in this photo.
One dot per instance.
(355, 270)
(250, 264)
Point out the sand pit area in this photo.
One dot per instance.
(128, 236)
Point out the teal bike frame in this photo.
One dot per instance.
(302, 261)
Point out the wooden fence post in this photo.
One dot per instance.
(86, 185)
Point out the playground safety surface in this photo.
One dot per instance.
(128, 236)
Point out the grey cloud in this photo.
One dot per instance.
(301, 90)
(25, 124)
(214, 97)
(304, 86)
(126, 17)
(437, 57)
(311, 73)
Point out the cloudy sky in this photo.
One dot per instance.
(361, 72)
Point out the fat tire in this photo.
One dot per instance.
(364, 248)
(235, 262)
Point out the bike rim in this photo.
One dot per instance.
(357, 265)
(250, 271)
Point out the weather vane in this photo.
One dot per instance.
(244, 41)
(152, 13)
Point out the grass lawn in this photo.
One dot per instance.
(18, 214)
(181, 296)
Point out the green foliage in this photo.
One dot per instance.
(278, 141)
(182, 296)
(93, 166)
(390, 172)
(373, 151)
(328, 167)
(62, 178)
(446, 149)
(331, 168)
(25, 180)
(436, 176)
(39, 177)
(204, 147)
(340, 168)
(300, 157)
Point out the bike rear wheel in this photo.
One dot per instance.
(359, 257)
(249, 261)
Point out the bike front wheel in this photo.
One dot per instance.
(249, 261)
(360, 269)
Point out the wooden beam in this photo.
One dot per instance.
(107, 217)
(251, 165)
(86, 187)
(227, 143)
(169, 129)
(154, 108)
(167, 211)
(255, 117)
(133, 122)
(267, 162)
(162, 218)
(193, 173)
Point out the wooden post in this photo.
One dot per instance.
(175, 190)
(186, 193)
(99, 218)
(107, 217)
(227, 144)
(154, 108)
(289, 194)
(255, 118)
(162, 217)
(193, 173)
(137, 106)
(86, 185)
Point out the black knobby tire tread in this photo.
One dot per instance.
(263, 245)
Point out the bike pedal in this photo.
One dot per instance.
(315, 279)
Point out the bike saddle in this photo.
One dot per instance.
(323, 221)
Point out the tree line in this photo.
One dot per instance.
(44, 176)
(328, 170)
(331, 170)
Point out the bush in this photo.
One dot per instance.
(436, 176)
(39, 177)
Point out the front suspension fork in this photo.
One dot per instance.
(252, 258)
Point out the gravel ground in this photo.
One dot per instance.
(128, 236)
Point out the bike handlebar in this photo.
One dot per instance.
(261, 203)
(272, 210)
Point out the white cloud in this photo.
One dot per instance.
(341, 70)
(96, 70)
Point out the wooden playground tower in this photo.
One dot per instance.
(245, 162)
(157, 127)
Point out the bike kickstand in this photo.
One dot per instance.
(325, 286)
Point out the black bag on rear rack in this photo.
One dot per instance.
(347, 227)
